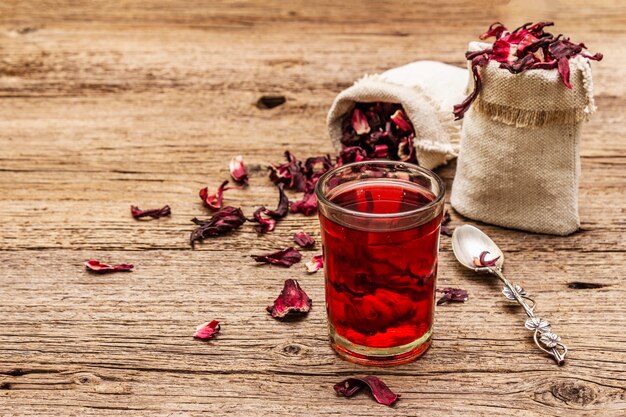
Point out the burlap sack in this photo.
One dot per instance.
(519, 162)
(427, 91)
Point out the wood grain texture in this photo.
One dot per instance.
(107, 104)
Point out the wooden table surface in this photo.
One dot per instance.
(110, 103)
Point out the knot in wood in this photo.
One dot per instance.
(85, 378)
(574, 392)
(292, 349)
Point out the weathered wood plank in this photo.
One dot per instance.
(110, 104)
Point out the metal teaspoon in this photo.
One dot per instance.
(468, 243)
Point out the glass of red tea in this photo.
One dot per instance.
(380, 224)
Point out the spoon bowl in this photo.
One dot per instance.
(468, 242)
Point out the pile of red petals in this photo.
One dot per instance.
(301, 177)
(377, 131)
(102, 268)
(526, 48)
(285, 257)
(207, 330)
(292, 300)
(380, 391)
(137, 213)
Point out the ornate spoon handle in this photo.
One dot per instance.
(544, 338)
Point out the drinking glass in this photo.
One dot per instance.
(380, 224)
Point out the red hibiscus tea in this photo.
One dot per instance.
(380, 225)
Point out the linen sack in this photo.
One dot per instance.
(519, 162)
(427, 90)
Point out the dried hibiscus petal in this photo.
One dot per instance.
(292, 299)
(267, 225)
(285, 257)
(380, 391)
(226, 219)
(137, 213)
(452, 294)
(238, 169)
(207, 330)
(359, 122)
(306, 206)
(213, 201)
(315, 264)
(482, 262)
(303, 239)
(400, 119)
(291, 173)
(97, 266)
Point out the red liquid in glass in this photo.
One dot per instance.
(380, 285)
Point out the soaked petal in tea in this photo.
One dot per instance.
(238, 169)
(285, 257)
(207, 330)
(137, 213)
(452, 294)
(315, 264)
(380, 391)
(226, 219)
(292, 299)
(99, 267)
(303, 239)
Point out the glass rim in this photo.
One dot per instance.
(322, 198)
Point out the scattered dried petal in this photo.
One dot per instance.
(291, 173)
(306, 206)
(207, 330)
(213, 201)
(380, 391)
(226, 219)
(137, 213)
(481, 262)
(238, 169)
(315, 264)
(285, 257)
(452, 294)
(99, 267)
(292, 299)
(303, 239)
(267, 225)
(269, 101)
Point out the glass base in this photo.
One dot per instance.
(380, 356)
